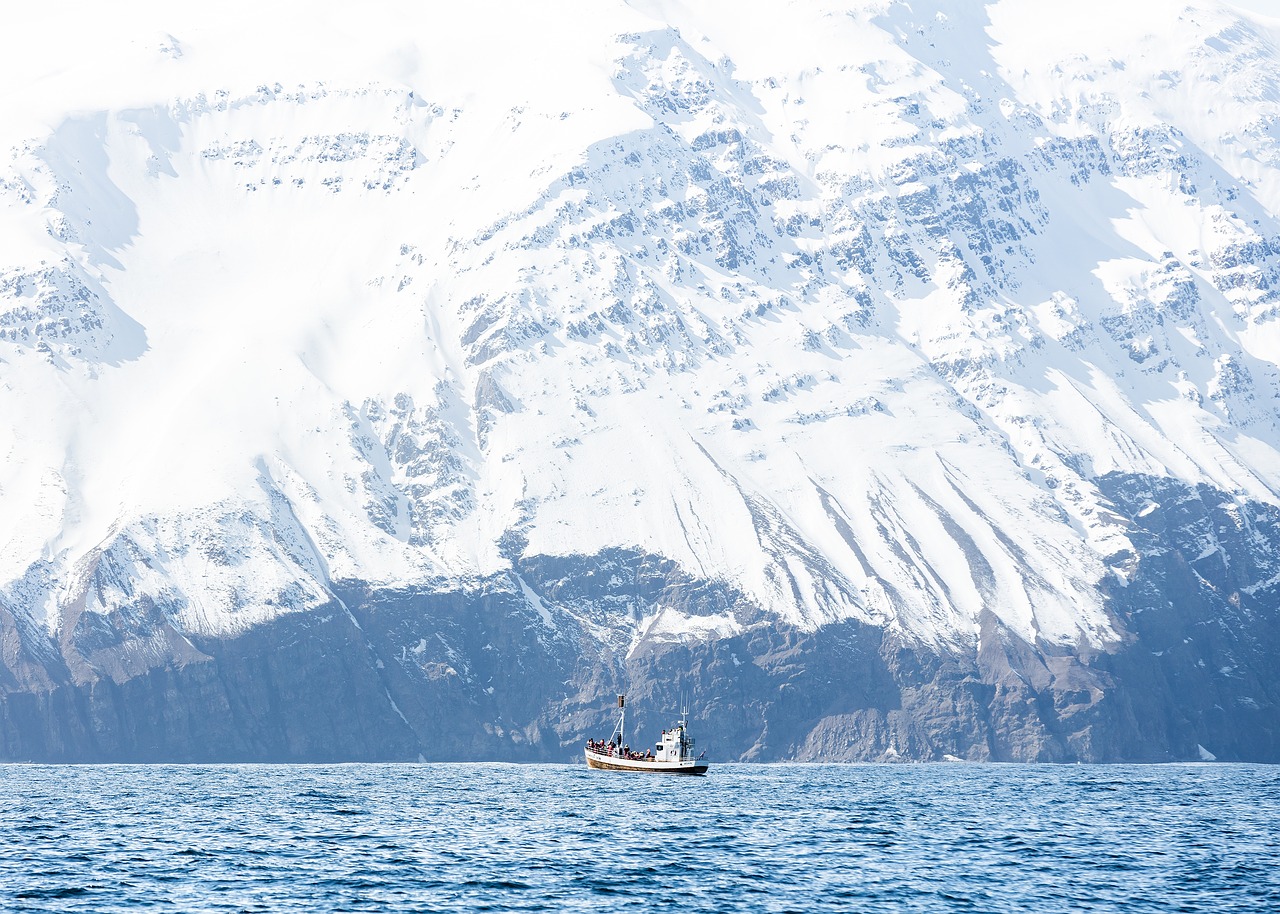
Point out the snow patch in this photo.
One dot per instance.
(671, 625)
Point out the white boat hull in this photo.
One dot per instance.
(606, 762)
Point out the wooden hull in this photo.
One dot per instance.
(613, 763)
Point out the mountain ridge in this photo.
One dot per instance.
(885, 332)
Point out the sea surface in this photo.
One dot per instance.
(486, 837)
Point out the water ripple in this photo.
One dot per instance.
(927, 838)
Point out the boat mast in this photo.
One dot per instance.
(622, 718)
(684, 727)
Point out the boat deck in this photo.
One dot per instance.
(606, 762)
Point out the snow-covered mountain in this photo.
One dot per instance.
(901, 377)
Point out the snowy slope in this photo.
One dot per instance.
(846, 305)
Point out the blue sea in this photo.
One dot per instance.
(485, 837)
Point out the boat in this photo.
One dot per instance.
(672, 755)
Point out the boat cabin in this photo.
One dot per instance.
(676, 745)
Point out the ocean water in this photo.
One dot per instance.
(483, 837)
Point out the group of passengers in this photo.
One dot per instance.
(624, 751)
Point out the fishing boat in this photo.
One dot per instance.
(672, 755)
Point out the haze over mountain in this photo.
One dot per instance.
(899, 378)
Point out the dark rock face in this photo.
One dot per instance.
(1204, 615)
(490, 674)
